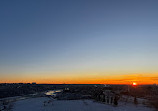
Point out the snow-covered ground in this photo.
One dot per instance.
(46, 104)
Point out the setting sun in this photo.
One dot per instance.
(134, 83)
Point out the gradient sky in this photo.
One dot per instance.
(79, 41)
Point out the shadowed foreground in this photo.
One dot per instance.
(46, 104)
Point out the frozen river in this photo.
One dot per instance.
(53, 92)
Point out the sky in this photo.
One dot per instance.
(79, 41)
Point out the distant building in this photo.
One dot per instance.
(34, 83)
(154, 84)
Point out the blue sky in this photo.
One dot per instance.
(107, 36)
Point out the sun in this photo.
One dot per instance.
(134, 83)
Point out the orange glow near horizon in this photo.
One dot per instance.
(87, 79)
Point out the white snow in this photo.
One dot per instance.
(46, 104)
